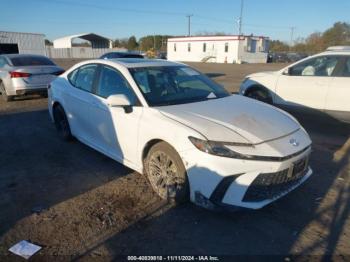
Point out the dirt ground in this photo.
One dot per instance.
(80, 205)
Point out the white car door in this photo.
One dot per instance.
(115, 129)
(78, 100)
(338, 97)
(306, 83)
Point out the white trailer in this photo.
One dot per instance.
(219, 49)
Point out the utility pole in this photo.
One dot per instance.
(291, 35)
(189, 24)
(240, 18)
(154, 42)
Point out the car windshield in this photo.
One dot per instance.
(30, 61)
(173, 85)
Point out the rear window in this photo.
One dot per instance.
(133, 56)
(121, 55)
(31, 61)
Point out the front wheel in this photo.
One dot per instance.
(166, 173)
(260, 94)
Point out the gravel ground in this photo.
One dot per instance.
(79, 204)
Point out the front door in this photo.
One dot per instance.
(115, 129)
(306, 83)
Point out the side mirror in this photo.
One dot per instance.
(118, 100)
(288, 71)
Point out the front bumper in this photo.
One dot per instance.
(219, 182)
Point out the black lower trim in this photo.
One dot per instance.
(220, 190)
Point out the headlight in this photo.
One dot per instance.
(219, 148)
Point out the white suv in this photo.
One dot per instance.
(320, 82)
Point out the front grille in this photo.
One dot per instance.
(271, 185)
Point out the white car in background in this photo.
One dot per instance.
(22, 74)
(190, 137)
(320, 82)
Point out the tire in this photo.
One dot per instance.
(260, 94)
(4, 96)
(166, 173)
(61, 123)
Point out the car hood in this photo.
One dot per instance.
(233, 119)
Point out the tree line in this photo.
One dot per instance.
(338, 34)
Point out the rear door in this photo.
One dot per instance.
(338, 96)
(307, 83)
(78, 101)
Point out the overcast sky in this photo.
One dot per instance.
(117, 19)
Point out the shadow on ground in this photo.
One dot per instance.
(95, 207)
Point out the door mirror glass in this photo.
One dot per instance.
(118, 100)
(287, 71)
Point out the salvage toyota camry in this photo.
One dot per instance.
(191, 138)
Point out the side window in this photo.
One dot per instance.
(72, 76)
(318, 66)
(226, 47)
(85, 77)
(346, 68)
(111, 82)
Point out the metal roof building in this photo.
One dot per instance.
(96, 41)
(22, 43)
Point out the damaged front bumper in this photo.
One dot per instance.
(254, 184)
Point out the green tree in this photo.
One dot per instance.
(132, 43)
(278, 46)
(158, 42)
(120, 43)
(48, 42)
(339, 34)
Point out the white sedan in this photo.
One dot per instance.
(190, 137)
(320, 83)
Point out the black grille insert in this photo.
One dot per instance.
(271, 185)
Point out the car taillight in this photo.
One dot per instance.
(58, 73)
(19, 74)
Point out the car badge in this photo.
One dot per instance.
(294, 142)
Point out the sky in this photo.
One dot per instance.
(120, 19)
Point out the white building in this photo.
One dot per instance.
(219, 49)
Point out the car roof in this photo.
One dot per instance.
(331, 52)
(140, 62)
(122, 53)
